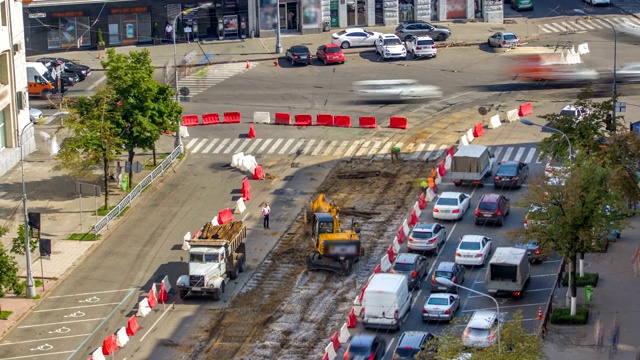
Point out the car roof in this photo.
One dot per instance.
(406, 258)
(350, 30)
(413, 339)
(362, 339)
(440, 295)
(299, 47)
(482, 319)
(508, 33)
(569, 108)
(424, 226)
(445, 266)
(510, 163)
(490, 197)
(450, 194)
(389, 36)
(472, 238)
(422, 37)
(331, 45)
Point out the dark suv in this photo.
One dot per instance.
(411, 343)
(450, 271)
(492, 208)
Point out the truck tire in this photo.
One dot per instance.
(183, 294)
(217, 295)
(241, 265)
(457, 183)
(233, 274)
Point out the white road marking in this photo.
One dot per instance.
(507, 154)
(530, 155)
(587, 25)
(59, 323)
(286, 146)
(48, 339)
(91, 293)
(341, 148)
(352, 148)
(363, 149)
(440, 152)
(316, 151)
(308, 147)
(210, 146)
(297, 146)
(430, 149)
(200, 145)
(417, 152)
(157, 321)
(36, 355)
(253, 146)
(242, 146)
(231, 146)
(505, 307)
(327, 152)
(98, 82)
(222, 144)
(264, 146)
(191, 143)
(375, 147)
(75, 307)
(275, 146)
(519, 154)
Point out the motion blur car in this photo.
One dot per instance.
(413, 266)
(421, 46)
(492, 208)
(511, 174)
(35, 115)
(299, 54)
(482, 328)
(519, 5)
(354, 37)
(532, 247)
(395, 90)
(69, 66)
(441, 307)
(503, 40)
(450, 271)
(628, 73)
(330, 54)
(473, 250)
(366, 346)
(451, 205)
(411, 343)
(389, 46)
(426, 237)
(436, 32)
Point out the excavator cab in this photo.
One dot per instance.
(336, 250)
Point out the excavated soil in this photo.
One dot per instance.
(287, 312)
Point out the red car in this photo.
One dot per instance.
(330, 54)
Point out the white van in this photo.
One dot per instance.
(386, 301)
(39, 80)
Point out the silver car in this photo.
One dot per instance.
(503, 39)
(426, 237)
(440, 307)
(35, 115)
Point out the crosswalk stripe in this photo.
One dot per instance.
(631, 22)
(497, 152)
(297, 146)
(507, 154)
(417, 152)
(430, 150)
(200, 144)
(341, 148)
(530, 155)
(409, 149)
(203, 79)
(242, 146)
(192, 142)
(363, 149)
(222, 144)
(210, 146)
(603, 24)
(519, 154)
(327, 152)
(264, 146)
(552, 27)
(253, 146)
(231, 146)
(275, 146)
(375, 147)
(316, 151)
(308, 147)
(387, 147)
(286, 146)
(539, 160)
(545, 29)
(440, 152)
(586, 24)
(352, 148)
(568, 26)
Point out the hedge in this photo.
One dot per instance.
(582, 281)
(561, 316)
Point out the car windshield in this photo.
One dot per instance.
(510, 37)
(528, 243)
(403, 266)
(425, 42)
(299, 50)
(422, 235)
(333, 50)
(392, 41)
(369, 33)
(468, 245)
(407, 352)
(536, 213)
(438, 301)
(359, 350)
(479, 333)
(203, 257)
(508, 169)
(444, 274)
(487, 206)
(568, 112)
(340, 33)
(447, 201)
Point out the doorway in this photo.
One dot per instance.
(282, 12)
(356, 11)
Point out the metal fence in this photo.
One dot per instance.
(128, 200)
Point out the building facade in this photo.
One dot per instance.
(14, 99)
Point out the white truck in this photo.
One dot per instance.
(216, 255)
(471, 164)
(508, 272)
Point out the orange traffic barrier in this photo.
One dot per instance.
(324, 120)
(302, 120)
(398, 122)
(342, 121)
(283, 119)
(231, 117)
(210, 118)
(367, 122)
(190, 120)
(525, 109)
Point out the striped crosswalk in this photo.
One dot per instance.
(588, 24)
(212, 75)
(376, 148)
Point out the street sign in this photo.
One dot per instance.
(38, 15)
(635, 126)
(137, 167)
(45, 249)
(621, 107)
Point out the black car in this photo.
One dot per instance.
(69, 66)
(450, 271)
(412, 342)
(299, 54)
(413, 266)
(68, 79)
(436, 32)
(511, 174)
(366, 346)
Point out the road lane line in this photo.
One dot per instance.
(415, 298)
(253, 146)
(352, 148)
(157, 321)
(297, 146)
(222, 144)
(98, 82)
(506, 307)
(430, 149)
(243, 145)
(439, 101)
(201, 144)
(231, 146)
(464, 306)
(264, 146)
(544, 275)
(91, 293)
(507, 154)
(316, 151)
(48, 339)
(341, 148)
(191, 143)
(275, 146)
(59, 323)
(37, 355)
(389, 347)
(75, 307)
(519, 154)
(417, 152)
(307, 148)
(286, 146)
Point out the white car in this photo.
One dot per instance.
(577, 112)
(598, 2)
(355, 37)
(35, 115)
(395, 90)
(629, 73)
(473, 250)
(481, 331)
(389, 46)
(421, 46)
(451, 205)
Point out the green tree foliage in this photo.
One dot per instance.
(516, 343)
(147, 108)
(8, 269)
(94, 137)
(18, 242)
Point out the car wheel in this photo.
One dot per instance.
(345, 45)
(442, 37)
(489, 43)
(501, 221)
(324, 61)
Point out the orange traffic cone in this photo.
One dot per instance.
(277, 64)
(99, 56)
(252, 132)
(248, 65)
(539, 312)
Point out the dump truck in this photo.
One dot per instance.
(471, 164)
(335, 249)
(508, 272)
(217, 254)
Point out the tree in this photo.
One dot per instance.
(93, 139)
(8, 269)
(18, 242)
(146, 107)
(515, 341)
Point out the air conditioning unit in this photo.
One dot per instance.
(17, 47)
(21, 100)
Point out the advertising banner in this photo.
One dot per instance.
(230, 25)
(311, 14)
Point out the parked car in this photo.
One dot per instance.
(450, 271)
(69, 66)
(35, 115)
(413, 266)
(68, 79)
(299, 54)
(439, 33)
(536, 215)
(473, 250)
(451, 205)
(492, 208)
(330, 54)
(482, 328)
(426, 237)
(366, 346)
(519, 5)
(421, 46)
(503, 40)
(577, 112)
(355, 37)
(441, 307)
(411, 343)
(511, 174)
(532, 246)
(389, 46)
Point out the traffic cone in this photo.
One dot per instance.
(277, 64)
(248, 65)
(99, 56)
(539, 312)
(252, 132)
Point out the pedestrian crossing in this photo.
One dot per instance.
(376, 148)
(589, 24)
(209, 76)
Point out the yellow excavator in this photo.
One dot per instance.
(336, 249)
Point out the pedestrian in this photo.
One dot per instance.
(598, 330)
(424, 185)
(119, 173)
(266, 211)
(169, 32)
(614, 334)
(185, 64)
(636, 262)
(395, 153)
(290, 16)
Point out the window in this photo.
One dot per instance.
(4, 68)
(3, 138)
(3, 13)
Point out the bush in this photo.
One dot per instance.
(601, 246)
(588, 279)
(561, 316)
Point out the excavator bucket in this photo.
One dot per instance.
(318, 262)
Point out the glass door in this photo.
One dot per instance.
(283, 16)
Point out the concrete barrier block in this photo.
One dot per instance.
(494, 121)
(464, 141)
(261, 117)
(385, 263)
(330, 352)
(512, 115)
(345, 335)
(470, 136)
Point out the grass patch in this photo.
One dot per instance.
(36, 282)
(102, 211)
(4, 315)
(582, 281)
(84, 237)
(123, 211)
(561, 316)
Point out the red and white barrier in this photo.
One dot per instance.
(236, 160)
(345, 334)
(121, 337)
(335, 340)
(367, 122)
(109, 345)
(342, 121)
(494, 122)
(225, 216)
(210, 119)
(513, 115)
(413, 218)
(377, 269)
(525, 109)
(240, 206)
(431, 195)
(97, 354)
(190, 120)
(470, 136)
(396, 249)
(416, 207)
(401, 234)
(163, 294)
(464, 141)
(302, 120)
(391, 253)
(329, 352)
(143, 308)
(261, 117)
(132, 325)
(478, 130)
(398, 122)
(282, 119)
(231, 117)
(324, 120)
(385, 262)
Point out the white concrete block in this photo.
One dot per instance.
(261, 117)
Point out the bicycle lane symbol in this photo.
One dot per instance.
(77, 314)
(62, 330)
(45, 347)
(93, 299)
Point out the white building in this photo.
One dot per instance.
(14, 99)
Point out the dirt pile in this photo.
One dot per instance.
(224, 231)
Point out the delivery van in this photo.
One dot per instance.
(39, 80)
(386, 301)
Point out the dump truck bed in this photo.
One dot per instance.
(232, 233)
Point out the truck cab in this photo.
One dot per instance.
(39, 80)
(205, 265)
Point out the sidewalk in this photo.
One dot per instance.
(618, 292)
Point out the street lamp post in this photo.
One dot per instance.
(615, 55)
(449, 283)
(531, 123)
(31, 287)
(278, 43)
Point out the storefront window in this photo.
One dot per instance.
(268, 14)
(129, 25)
(311, 14)
(405, 8)
(70, 32)
(356, 12)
